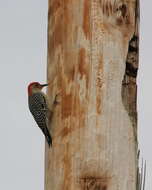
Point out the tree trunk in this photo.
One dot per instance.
(92, 64)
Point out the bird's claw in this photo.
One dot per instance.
(57, 99)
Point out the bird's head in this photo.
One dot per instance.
(35, 87)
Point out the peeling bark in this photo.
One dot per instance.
(92, 64)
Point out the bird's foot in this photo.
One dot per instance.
(57, 99)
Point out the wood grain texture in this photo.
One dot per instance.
(94, 141)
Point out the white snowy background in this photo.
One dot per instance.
(23, 57)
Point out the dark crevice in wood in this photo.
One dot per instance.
(123, 9)
(94, 183)
(130, 70)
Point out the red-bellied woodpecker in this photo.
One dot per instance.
(38, 106)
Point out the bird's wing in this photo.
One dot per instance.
(38, 107)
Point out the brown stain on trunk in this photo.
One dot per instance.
(99, 84)
(98, 105)
(83, 66)
(56, 4)
(66, 105)
(77, 114)
(61, 18)
(93, 183)
(67, 18)
(70, 60)
(65, 131)
(86, 19)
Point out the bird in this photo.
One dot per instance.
(39, 108)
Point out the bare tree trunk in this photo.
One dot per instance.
(94, 124)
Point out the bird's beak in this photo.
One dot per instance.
(43, 85)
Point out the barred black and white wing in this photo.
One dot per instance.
(38, 108)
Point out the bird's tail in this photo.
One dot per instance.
(47, 136)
